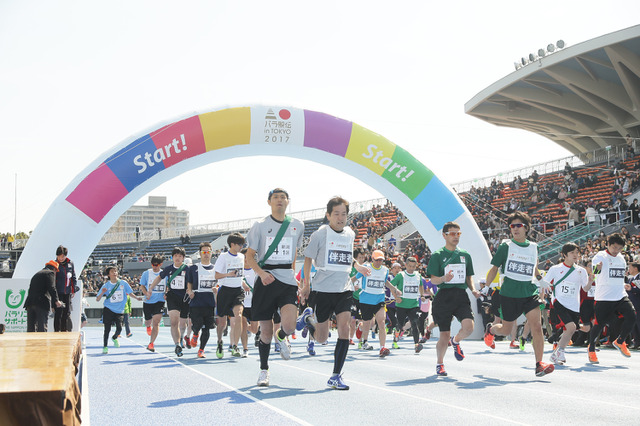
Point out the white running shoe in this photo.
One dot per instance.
(285, 349)
(263, 378)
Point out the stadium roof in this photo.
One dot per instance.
(584, 97)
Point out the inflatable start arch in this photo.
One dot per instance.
(94, 200)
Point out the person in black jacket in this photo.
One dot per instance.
(66, 285)
(41, 297)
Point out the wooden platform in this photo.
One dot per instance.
(38, 378)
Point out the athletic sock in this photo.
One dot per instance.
(264, 349)
(340, 355)
(281, 334)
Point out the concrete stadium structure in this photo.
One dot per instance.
(584, 97)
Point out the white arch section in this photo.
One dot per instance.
(94, 199)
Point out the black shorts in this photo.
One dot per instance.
(176, 302)
(267, 299)
(449, 303)
(561, 316)
(607, 311)
(513, 307)
(202, 316)
(246, 312)
(228, 298)
(355, 310)
(495, 303)
(370, 311)
(330, 303)
(406, 313)
(151, 309)
(586, 311)
(109, 317)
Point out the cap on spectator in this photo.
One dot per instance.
(52, 263)
(377, 255)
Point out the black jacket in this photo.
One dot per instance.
(66, 270)
(42, 290)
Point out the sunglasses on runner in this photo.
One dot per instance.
(516, 225)
(156, 264)
(453, 233)
(205, 251)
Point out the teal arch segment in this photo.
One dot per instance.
(438, 203)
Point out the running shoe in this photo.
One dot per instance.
(489, 339)
(336, 382)
(305, 331)
(521, 342)
(359, 332)
(149, 331)
(194, 341)
(373, 334)
(457, 350)
(440, 371)
(220, 351)
(310, 348)
(285, 349)
(395, 345)
(544, 368)
(105, 350)
(396, 336)
(555, 358)
(514, 345)
(351, 342)
(622, 347)
(151, 348)
(593, 358)
(245, 353)
(235, 352)
(276, 347)
(201, 353)
(230, 347)
(422, 340)
(178, 350)
(561, 356)
(130, 334)
(427, 334)
(418, 348)
(384, 352)
(263, 378)
(116, 343)
(555, 346)
(367, 347)
(301, 322)
(187, 342)
(360, 344)
(293, 336)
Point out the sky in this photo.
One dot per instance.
(77, 78)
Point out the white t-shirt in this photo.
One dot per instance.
(228, 262)
(567, 292)
(610, 282)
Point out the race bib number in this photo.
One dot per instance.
(159, 288)
(567, 289)
(459, 273)
(592, 292)
(206, 283)
(519, 270)
(375, 284)
(178, 283)
(616, 272)
(283, 252)
(410, 290)
(117, 297)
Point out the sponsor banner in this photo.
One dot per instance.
(13, 293)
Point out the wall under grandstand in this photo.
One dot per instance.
(94, 200)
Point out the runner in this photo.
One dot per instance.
(517, 258)
(116, 292)
(355, 328)
(275, 240)
(372, 300)
(611, 299)
(331, 249)
(451, 269)
(394, 328)
(229, 271)
(176, 303)
(247, 325)
(567, 279)
(412, 286)
(153, 302)
(200, 284)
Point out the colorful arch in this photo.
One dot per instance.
(93, 201)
